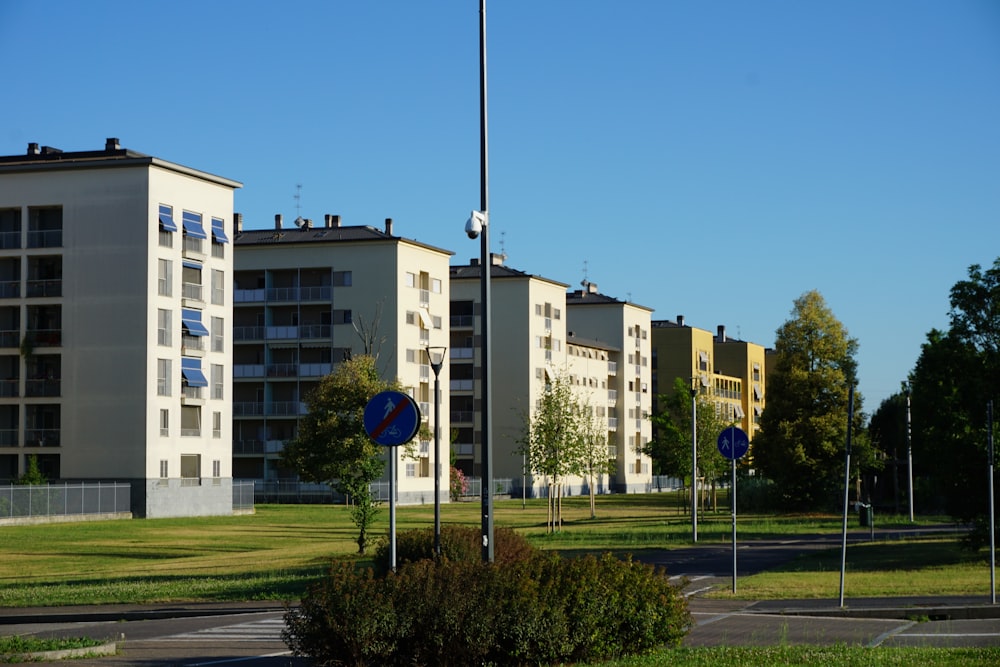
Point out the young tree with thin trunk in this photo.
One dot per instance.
(332, 445)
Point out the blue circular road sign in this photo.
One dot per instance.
(392, 418)
(733, 443)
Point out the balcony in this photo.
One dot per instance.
(191, 344)
(8, 437)
(9, 387)
(10, 338)
(314, 370)
(248, 333)
(10, 240)
(42, 387)
(44, 288)
(248, 296)
(193, 247)
(286, 408)
(612, 423)
(10, 289)
(314, 331)
(461, 321)
(248, 409)
(612, 396)
(191, 392)
(248, 371)
(462, 353)
(462, 416)
(192, 292)
(245, 447)
(299, 294)
(41, 437)
(282, 370)
(612, 368)
(461, 385)
(44, 337)
(49, 238)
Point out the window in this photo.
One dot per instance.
(167, 226)
(165, 277)
(164, 422)
(219, 238)
(162, 377)
(190, 467)
(436, 321)
(411, 469)
(218, 334)
(217, 381)
(45, 227)
(191, 322)
(218, 287)
(217, 466)
(411, 317)
(342, 317)
(10, 228)
(190, 420)
(216, 430)
(191, 281)
(194, 234)
(163, 327)
(411, 279)
(164, 469)
(342, 279)
(191, 372)
(436, 285)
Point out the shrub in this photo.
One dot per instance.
(458, 543)
(539, 610)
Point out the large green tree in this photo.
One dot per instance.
(804, 425)
(332, 445)
(956, 375)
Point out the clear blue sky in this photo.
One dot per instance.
(711, 159)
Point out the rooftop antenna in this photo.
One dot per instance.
(503, 249)
(298, 205)
(628, 297)
(584, 282)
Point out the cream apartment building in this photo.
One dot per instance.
(114, 351)
(625, 326)
(308, 296)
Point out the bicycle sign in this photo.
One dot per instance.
(391, 418)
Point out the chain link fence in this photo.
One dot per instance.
(17, 502)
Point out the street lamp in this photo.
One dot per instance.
(435, 355)
(478, 225)
(694, 461)
(909, 450)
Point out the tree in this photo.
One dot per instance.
(887, 433)
(562, 437)
(33, 476)
(332, 445)
(671, 449)
(955, 376)
(804, 424)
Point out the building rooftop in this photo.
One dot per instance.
(589, 296)
(497, 270)
(113, 155)
(303, 231)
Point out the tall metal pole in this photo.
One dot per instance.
(993, 543)
(734, 522)
(437, 457)
(694, 463)
(485, 267)
(909, 453)
(847, 487)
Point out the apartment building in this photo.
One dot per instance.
(729, 371)
(307, 297)
(113, 271)
(625, 326)
(527, 344)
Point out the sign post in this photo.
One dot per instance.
(392, 418)
(733, 444)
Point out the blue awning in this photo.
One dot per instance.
(167, 219)
(191, 371)
(218, 230)
(191, 320)
(192, 225)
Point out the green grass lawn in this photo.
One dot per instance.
(276, 552)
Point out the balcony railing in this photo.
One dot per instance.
(248, 371)
(248, 447)
(41, 437)
(10, 338)
(461, 385)
(462, 416)
(193, 245)
(43, 288)
(248, 333)
(10, 289)
(286, 408)
(190, 432)
(248, 295)
(461, 321)
(9, 387)
(42, 387)
(314, 330)
(314, 370)
(612, 367)
(45, 337)
(191, 291)
(50, 238)
(308, 293)
(462, 353)
(282, 370)
(10, 240)
(612, 395)
(191, 343)
(612, 423)
(8, 437)
(248, 409)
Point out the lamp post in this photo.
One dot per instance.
(478, 226)
(694, 461)
(909, 453)
(435, 355)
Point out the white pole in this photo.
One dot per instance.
(847, 487)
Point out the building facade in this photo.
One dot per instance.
(306, 298)
(114, 351)
(624, 326)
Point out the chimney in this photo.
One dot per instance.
(496, 259)
(237, 223)
(388, 226)
(680, 320)
(722, 333)
(50, 150)
(336, 221)
(308, 223)
(591, 288)
(33, 149)
(277, 221)
(474, 261)
(111, 144)
(330, 221)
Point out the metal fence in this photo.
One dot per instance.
(65, 499)
(243, 495)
